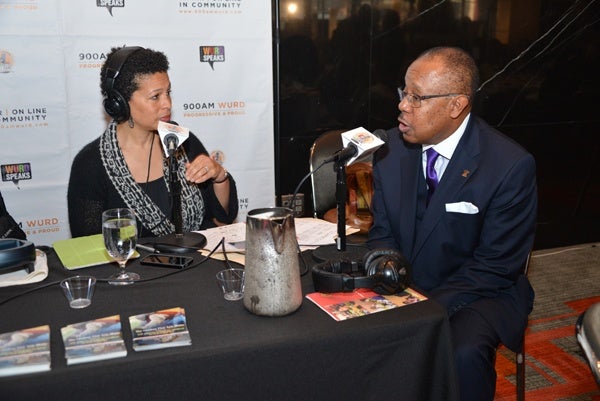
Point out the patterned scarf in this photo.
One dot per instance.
(147, 212)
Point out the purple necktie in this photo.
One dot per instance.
(432, 178)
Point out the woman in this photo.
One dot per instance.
(126, 167)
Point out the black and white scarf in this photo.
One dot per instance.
(147, 212)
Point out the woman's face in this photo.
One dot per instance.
(151, 102)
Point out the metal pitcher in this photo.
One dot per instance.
(272, 278)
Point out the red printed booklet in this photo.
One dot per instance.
(361, 302)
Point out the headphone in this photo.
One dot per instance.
(16, 254)
(385, 271)
(115, 104)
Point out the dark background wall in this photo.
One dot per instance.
(338, 64)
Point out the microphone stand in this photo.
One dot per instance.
(338, 251)
(175, 194)
(340, 198)
(179, 242)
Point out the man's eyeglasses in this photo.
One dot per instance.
(415, 100)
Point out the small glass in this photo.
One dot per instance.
(78, 290)
(231, 282)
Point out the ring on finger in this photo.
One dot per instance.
(205, 170)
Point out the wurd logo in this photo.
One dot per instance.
(212, 54)
(109, 4)
(6, 61)
(16, 172)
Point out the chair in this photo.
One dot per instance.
(359, 183)
(587, 331)
(323, 181)
(520, 354)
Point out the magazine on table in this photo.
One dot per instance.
(361, 302)
(160, 329)
(25, 351)
(93, 340)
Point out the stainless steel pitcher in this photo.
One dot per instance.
(272, 278)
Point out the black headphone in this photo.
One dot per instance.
(115, 104)
(385, 271)
(16, 254)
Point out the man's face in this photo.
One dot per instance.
(430, 123)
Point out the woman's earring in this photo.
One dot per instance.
(130, 122)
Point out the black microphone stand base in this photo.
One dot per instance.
(353, 252)
(180, 243)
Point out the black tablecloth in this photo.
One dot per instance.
(401, 354)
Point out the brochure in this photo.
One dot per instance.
(93, 340)
(159, 329)
(25, 351)
(361, 302)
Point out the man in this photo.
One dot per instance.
(468, 243)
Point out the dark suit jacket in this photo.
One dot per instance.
(458, 258)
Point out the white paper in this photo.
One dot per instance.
(313, 232)
(310, 233)
(234, 234)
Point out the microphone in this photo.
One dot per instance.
(171, 142)
(171, 136)
(353, 150)
(358, 144)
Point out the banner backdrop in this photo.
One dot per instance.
(51, 52)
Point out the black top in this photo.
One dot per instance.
(91, 192)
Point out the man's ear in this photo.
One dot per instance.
(458, 105)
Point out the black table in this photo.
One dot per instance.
(401, 354)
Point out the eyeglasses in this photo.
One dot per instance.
(415, 100)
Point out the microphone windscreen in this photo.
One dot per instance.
(381, 134)
(174, 123)
(170, 137)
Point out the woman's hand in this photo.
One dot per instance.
(203, 168)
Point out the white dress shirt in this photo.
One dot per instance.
(446, 149)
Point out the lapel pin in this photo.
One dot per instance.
(465, 173)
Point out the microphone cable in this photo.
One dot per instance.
(293, 205)
(193, 265)
(293, 200)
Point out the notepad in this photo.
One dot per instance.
(80, 252)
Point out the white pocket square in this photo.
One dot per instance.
(462, 207)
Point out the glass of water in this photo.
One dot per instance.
(119, 229)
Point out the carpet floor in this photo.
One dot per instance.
(566, 282)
